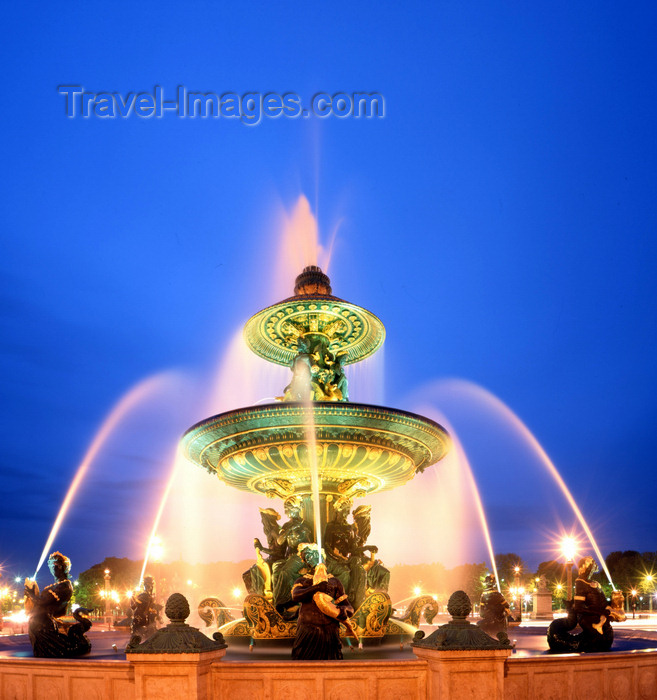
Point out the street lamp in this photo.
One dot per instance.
(107, 596)
(633, 593)
(516, 572)
(569, 552)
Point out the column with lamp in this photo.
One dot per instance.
(519, 592)
(108, 598)
(569, 552)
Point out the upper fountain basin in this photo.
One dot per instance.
(360, 449)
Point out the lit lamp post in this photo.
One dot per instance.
(633, 592)
(108, 598)
(569, 551)
(516, 572)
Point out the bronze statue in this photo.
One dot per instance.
(145, 611)
(317, 372)
(259, 579)
(51, 636)
(590, 611)
(378, 577)
(343, 558)
(324, 605)
(285, 571)
(493, 608)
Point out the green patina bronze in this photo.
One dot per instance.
(459, 634)
(177, 637)
(359, 450)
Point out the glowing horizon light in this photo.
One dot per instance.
(156, 549)
(417, 590)
(19, 616)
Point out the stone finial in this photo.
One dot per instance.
(177, 608)
(177, 637)
(459, 634)
(459, 605)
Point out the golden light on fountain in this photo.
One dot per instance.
(360, 449)
(156, 549)
(314, 447)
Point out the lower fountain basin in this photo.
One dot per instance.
(360, 449)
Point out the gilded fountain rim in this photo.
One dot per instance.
(363, 333)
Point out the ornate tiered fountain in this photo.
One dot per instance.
(317, 452)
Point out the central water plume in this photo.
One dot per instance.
(299, 245)
(128, 402)
(314, 473)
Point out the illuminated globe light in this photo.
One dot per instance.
(189, 582)
(17, 579)
(569, 548)
(237, 592)
(417, 590)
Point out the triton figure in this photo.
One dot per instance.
(49, 634)
(591, 612)
(493, 608)
(146, 612)
(324, 604)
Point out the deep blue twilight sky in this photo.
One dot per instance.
(500, 219)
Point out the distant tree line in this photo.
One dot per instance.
(630, 570)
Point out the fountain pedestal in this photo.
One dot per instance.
(176, 662)
(464, 674)
(463, 661)
(542, 606)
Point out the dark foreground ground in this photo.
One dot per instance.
(530, 641)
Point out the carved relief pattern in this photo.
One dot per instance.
(620, 684)
(341, 689)
(14, 687)
(647, 683)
